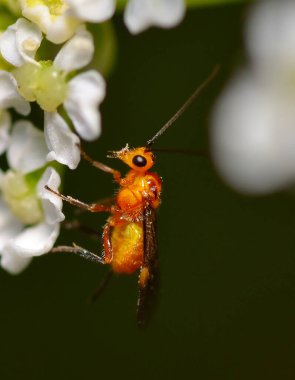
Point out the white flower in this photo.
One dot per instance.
(19, 250)
(253, 134)
(5, 122)
(76, 53)
(84, 94)
(27, 149)
(59, 19)
(142, 14)
(270, 37)
(92, 10)
(10, 227)
(9, 95)
(20, 42)
(61, 142)
(47, 84)
(29, 215)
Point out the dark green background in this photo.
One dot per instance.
(227, 307)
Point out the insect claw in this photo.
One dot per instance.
(87, 254)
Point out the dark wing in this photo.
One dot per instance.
(149, 274)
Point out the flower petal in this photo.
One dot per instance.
(61, 142)
(253, 136)
(20, 42)
(77, 52)
(9, 96)
(28, 39)
(10, 226)
(141, 14)
(34, 241)
(92, 10)
(57, 27)
(85, 92)
(14, 264)
(8, 46)
(52, 204)
(5, 122)
(27, 150)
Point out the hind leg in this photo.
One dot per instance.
(107, 244)
(82, 252)
(101, 286)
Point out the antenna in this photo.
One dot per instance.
(184, 107)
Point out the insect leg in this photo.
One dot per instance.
(108, 249)
(90, 207)
(101, 286)
(76, 225)
(109, 201)
(80, 252)
(115, 173)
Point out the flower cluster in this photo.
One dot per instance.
(29, 215)
(69, 98)
(253, 134)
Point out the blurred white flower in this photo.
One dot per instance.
(59, 19)
(92, 10)
(47, 84)
(142, 14)
(253, 132)
(5, 122)
(29, 215)
(270, 38)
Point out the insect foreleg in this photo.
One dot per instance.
(80, 252)
(76, 225)
(109, 201)
(115, 173)
(90, 207)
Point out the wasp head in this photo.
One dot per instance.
(140, 159)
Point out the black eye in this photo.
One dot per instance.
(139, 161)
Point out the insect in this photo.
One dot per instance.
(129, 235)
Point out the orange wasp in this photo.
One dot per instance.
(129, 235)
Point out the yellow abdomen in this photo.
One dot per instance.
(127, 245)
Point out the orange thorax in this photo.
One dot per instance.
(137, 190)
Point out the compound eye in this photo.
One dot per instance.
(139, 161)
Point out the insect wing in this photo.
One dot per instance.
(149, 274)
